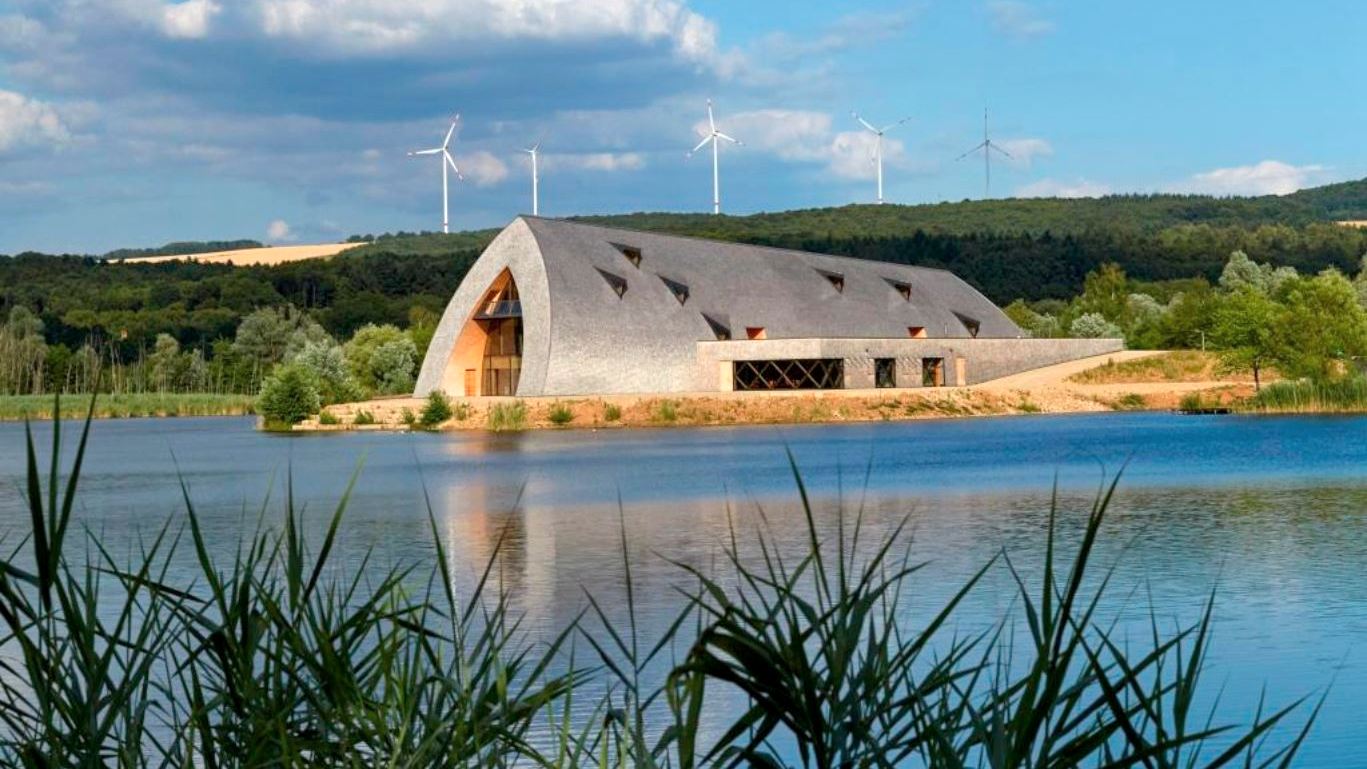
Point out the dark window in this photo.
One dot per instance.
(902, 288)
(719, 329)
(884, 372)
(617, 282)
(632, 253)
(835, 278)
(932, 372)
(679, 290)
(812, 374)
(969, 323)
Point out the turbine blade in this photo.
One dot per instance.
(864, 122)
(447, 141)
(452, 162)
(728, 138)
(701, 144)
(415, 153)
(891, 126)
(972, 151)
(994, 147)
(710, 121)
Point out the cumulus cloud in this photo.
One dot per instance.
(1025, 151)
(278, 231)
(1056, 188)
(28, 122)
(1270, 177)
(1018, 20)
(482, 168)
(593, 161)
(811, 137)
(188, 20)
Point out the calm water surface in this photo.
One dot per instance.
(1268, 511)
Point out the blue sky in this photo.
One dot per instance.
(135, 122)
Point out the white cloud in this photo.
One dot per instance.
(805, 136)
(1024, 151)
(594, 161)
(1017, 19)
(278, 231)
(188, 20)
(403, 26)
(28, 122)
(1270, 177)
(482, 168)
(1055, 188)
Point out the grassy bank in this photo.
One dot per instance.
(280, 656)
(16, 407)
(1345, 396)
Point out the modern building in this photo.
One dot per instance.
(560, 308)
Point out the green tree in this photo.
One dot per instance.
(329, 368)
(1244, 330)
(1322, 328)
(1104, 292)
(1093, 326)
(289, 395)
(271, 334)
(382, 358)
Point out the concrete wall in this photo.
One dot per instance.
(984, 359)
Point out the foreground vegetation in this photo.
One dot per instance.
(274, 654)
(1343, 396)
(17, 407)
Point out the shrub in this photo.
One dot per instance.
(1192, 402)
(667, 411)
(328, 364)
(407, 417)
(326, 417)
(1028, 407)
(560, 414)
(437, 409)
(1094, 325)
(288, 396)
(363, 418)
(1130, 402)
(508, 416)
(612, 412)
(460, 411)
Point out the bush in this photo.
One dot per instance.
(612, 412)
(407, 417)
(1130, 402)
(288, 396)
(560, 415)
(382, 358)
(326, 417)
(328, 364)
(667, 411)
(1094, 326)
(437, 410)
(508, 416)
(363, 418)
(1192, 402)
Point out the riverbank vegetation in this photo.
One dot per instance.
(272, 653)
(128, 405)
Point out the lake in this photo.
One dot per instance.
(1267, 511)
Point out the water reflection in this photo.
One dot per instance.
(1267, 511)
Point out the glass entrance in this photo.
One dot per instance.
(500, 316)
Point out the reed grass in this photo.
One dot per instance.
(507, 416)
(127, 405)
(1348, 395)
(278, 656)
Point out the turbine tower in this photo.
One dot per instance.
(987, 148)
(446, 160)
(878, 146)
(714, 136)
(535, 178)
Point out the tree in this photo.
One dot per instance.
(328, 366)
(1104, 292)
(382, 358)
(1242, 273)
(271, 334)
(289, 395)
(1244, 330)
(1321, 329)
(1093, 326)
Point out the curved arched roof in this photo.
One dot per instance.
(622, 310)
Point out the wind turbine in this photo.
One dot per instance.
(987, 148)
(446, 160)
(535, 178)
(878, 146)
(713, 137)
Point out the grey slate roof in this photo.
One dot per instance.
(784, 291)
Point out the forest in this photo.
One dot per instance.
(93, 314)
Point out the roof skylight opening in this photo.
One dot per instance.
(679, 290)
(632, 253)
(900, 287)
(719, 329)
(616, 282)
(837, 280)
(971, 324)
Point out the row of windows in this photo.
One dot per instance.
(618, 284)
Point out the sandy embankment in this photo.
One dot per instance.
(249, 257)
(1046, 390)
